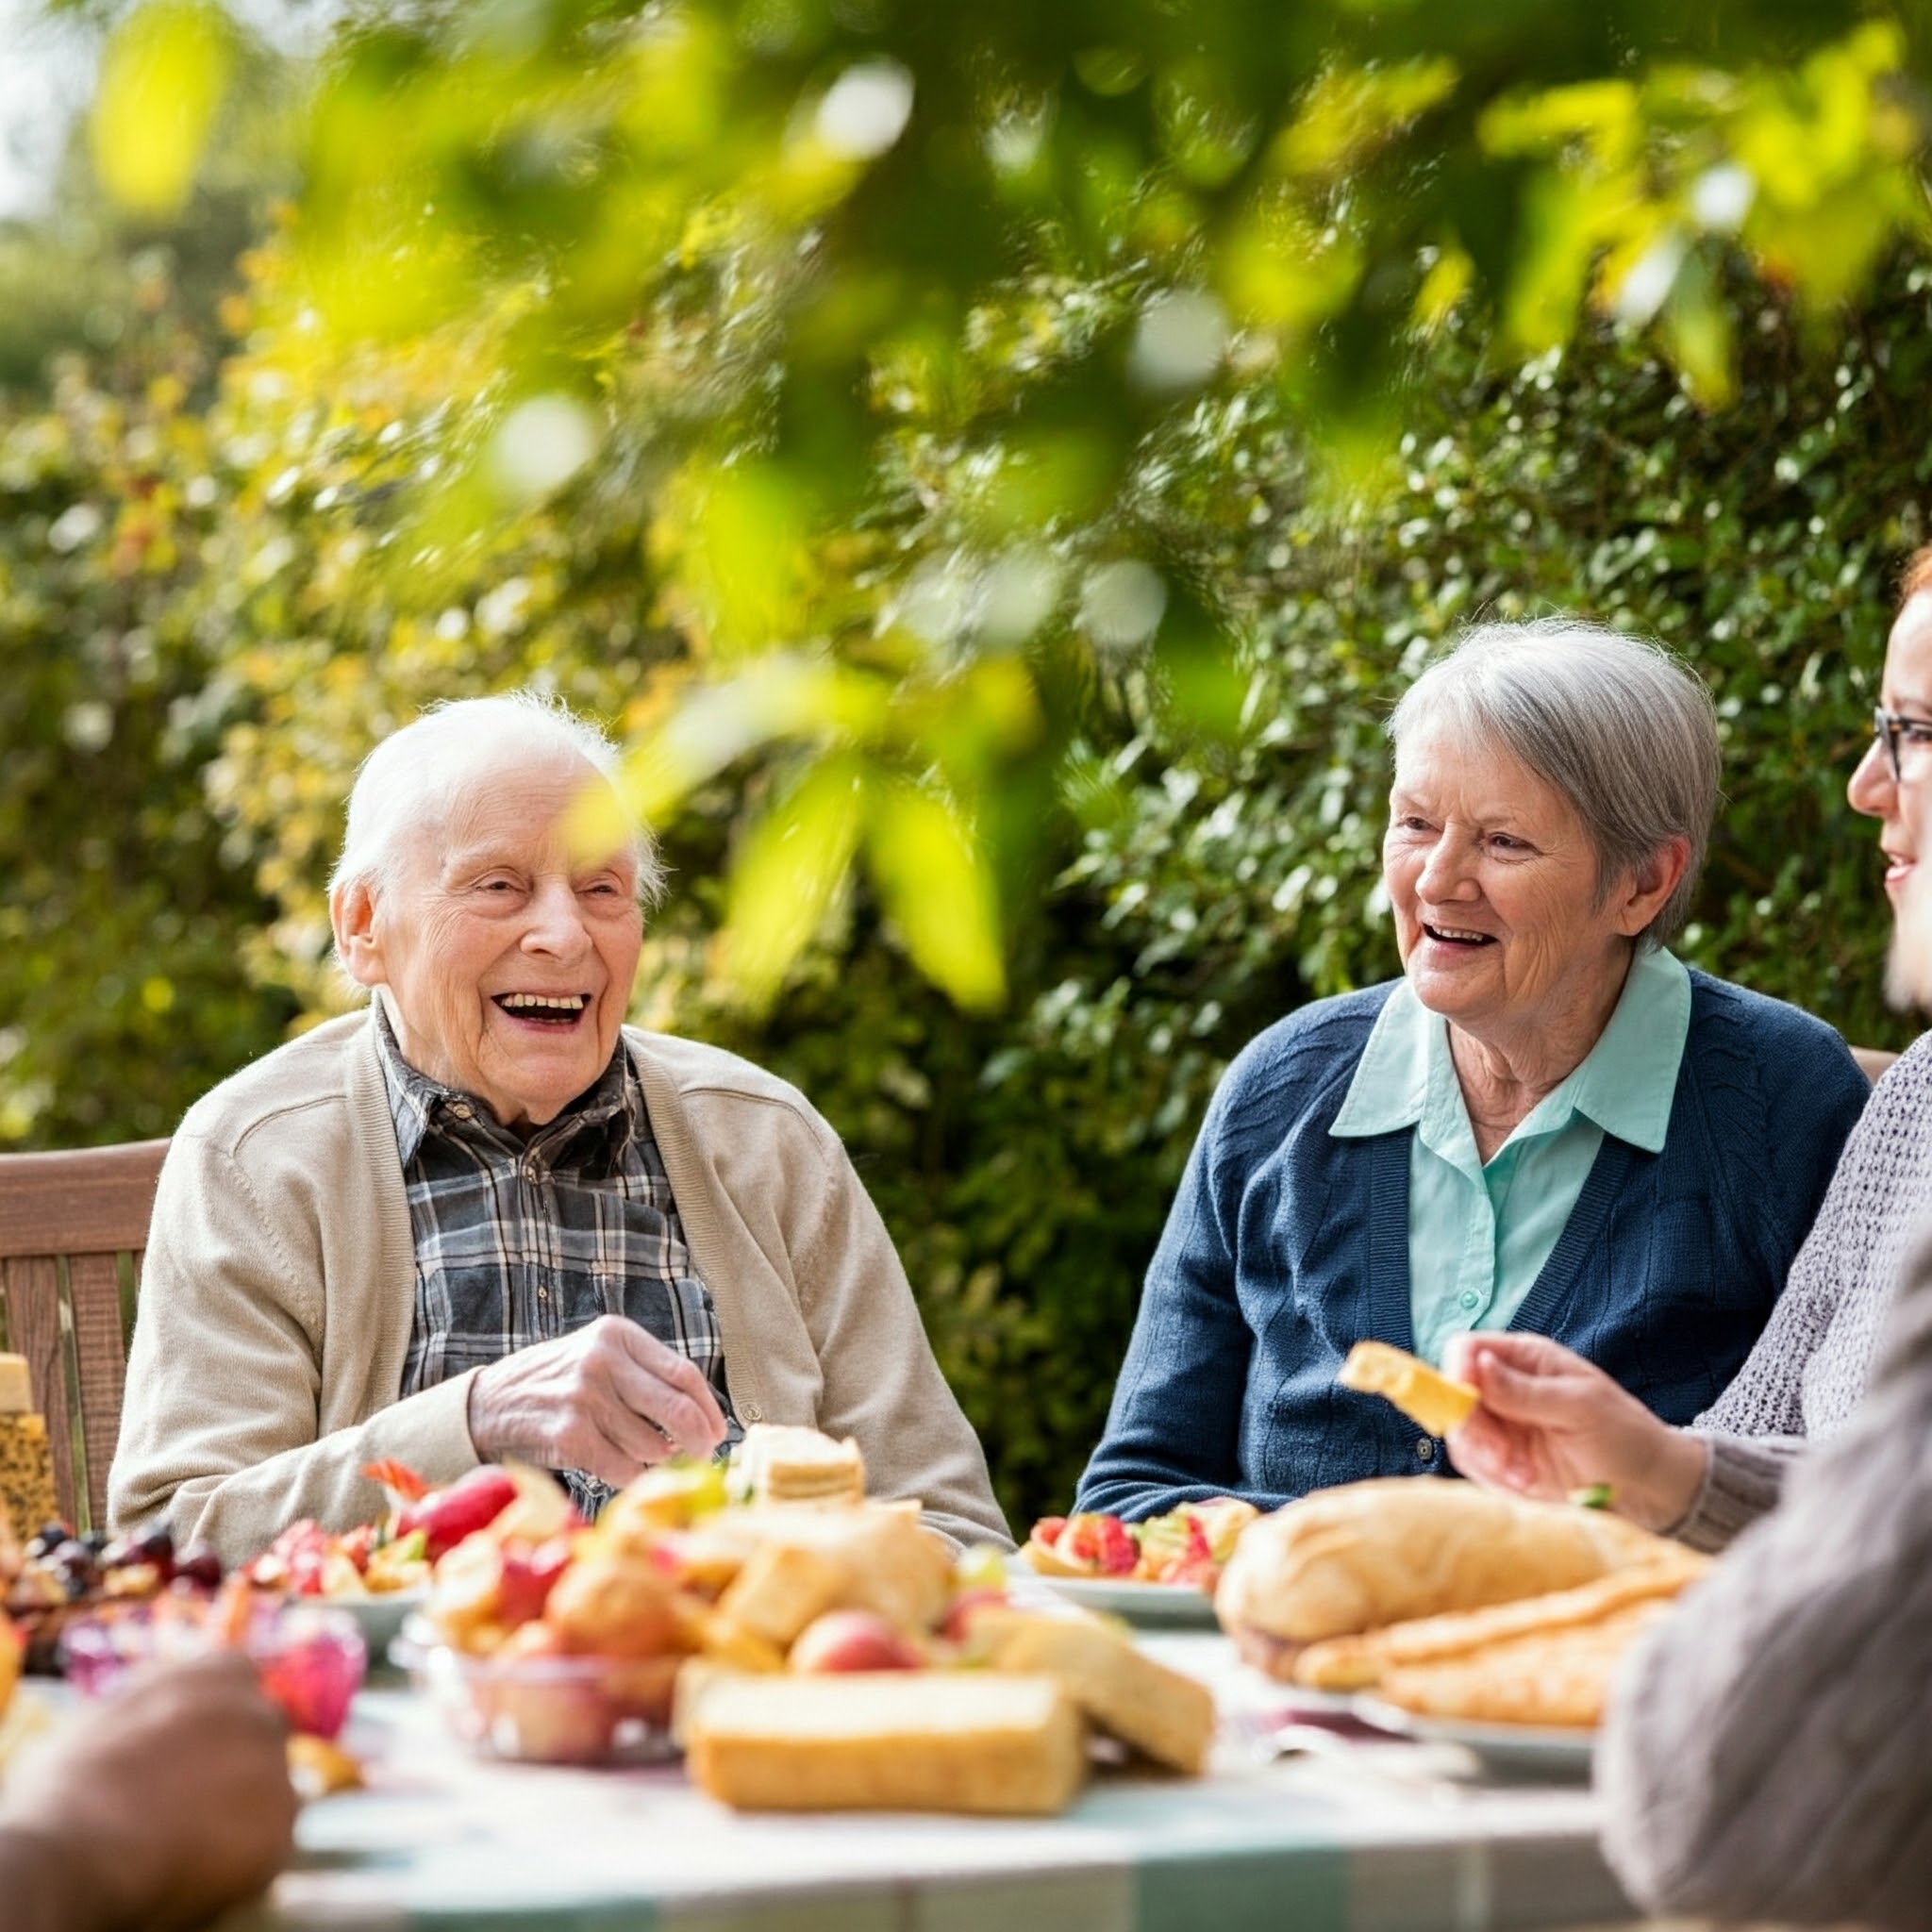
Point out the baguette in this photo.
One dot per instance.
(1430, 1399)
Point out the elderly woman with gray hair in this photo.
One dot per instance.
(1547, 1124)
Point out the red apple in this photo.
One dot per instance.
(853, 1641)
(960, 1611)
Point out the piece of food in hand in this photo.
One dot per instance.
(1085, 1544)
(1429, 1398)
(1595, 1496)
(781, 1589)
(779, 1463)
(1368, 1553)
(926, 1740)
(850, 1641)
(1162, 1713)
(1361, 1663)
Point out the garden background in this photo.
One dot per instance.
(1006, 563)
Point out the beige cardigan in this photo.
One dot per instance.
(279, 1291)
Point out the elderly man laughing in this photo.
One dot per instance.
(484, 1220)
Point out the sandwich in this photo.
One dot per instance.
(897, 1741)
(1366, 1555)
(776, 1463)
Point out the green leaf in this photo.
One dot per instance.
(935, 884)
(163, 80)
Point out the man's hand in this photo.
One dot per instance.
(158, 1808)
(1551, 1422)
(609, 1399)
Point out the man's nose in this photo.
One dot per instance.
(556, 922)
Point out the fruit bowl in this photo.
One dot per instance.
(546, 1709)
(311, 1658)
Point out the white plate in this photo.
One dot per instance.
(379, 1617)
(1148, 1605)
(1522, 1750)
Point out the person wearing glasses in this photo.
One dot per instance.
(1546, 1125)
(1550, 1421)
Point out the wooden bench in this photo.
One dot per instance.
(72, 1230)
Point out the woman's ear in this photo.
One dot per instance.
(1648, 888)
(352, 914)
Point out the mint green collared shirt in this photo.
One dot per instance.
(1479, 1234)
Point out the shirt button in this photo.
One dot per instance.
(532, 1172)
(460, 1108)
(1425, 1450)
(1469, 1297)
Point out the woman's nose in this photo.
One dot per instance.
(1872, 788)
(1445, 871)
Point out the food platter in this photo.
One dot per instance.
(1514, 1750)
(1147, 1606)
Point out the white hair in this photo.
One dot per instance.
(414, 776)
(1619, 727)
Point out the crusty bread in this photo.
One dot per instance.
(1161, 1712)
(1427, 1396)
(1368, 1553)
(900, 1741)
(887, 1562)
(779, 1463)
(1358, 1662)
(781, 1587)
(1557, 1676)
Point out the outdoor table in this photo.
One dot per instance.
(446, 1841)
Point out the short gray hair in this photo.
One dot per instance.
(1619, 727)
(411, 777)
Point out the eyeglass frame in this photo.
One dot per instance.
(1889, 728)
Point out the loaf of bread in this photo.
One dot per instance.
(900, 1741)
(1356, 1558)
(1162, 1713)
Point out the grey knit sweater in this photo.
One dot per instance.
(1809, 1367)
(1768, 1754)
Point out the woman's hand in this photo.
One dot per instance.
(1551, 1422)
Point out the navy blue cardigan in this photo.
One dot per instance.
(1285, 1246)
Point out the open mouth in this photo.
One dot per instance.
(1455, 936)
(561, 1011)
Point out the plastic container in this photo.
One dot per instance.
(312, 1658)
(546, 1709)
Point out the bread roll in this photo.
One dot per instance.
(1368, 1553)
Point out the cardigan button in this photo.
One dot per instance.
(1425, 1450)
(753, 1413)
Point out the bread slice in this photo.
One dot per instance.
(899, 1740)
(1369, 1554)
(781, 1587)
(1161, 1712)
(1359, 1662)
(779, 1463)
(1430, 1399)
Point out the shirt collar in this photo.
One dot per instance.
(419, 1106)
(1626, 1083)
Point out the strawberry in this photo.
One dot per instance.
(1103, 1541)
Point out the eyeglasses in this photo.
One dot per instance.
(1898, 736)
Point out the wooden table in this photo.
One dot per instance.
(1380, 1840)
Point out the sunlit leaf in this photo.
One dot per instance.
(935, 886)
(163, 80)
(784, 878)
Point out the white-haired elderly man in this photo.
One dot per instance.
(483, 1219)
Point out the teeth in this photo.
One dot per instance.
(563, 1003)
(1450, 932)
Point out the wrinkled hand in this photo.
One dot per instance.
(609, 1399)
(159, 1806)
(1551, 1422)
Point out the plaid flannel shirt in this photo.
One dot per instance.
(520, 1241)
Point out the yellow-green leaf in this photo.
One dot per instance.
(935, 886)
(161, 82)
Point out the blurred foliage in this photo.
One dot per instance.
(887, 418)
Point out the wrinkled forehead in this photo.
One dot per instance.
(546, 805)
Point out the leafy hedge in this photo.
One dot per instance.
(1196, 889)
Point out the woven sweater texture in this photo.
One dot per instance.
(1286, 1245)
(1766, 1752)
(1811, 1365)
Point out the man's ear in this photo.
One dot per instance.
(1653, 882)
(353, 914)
